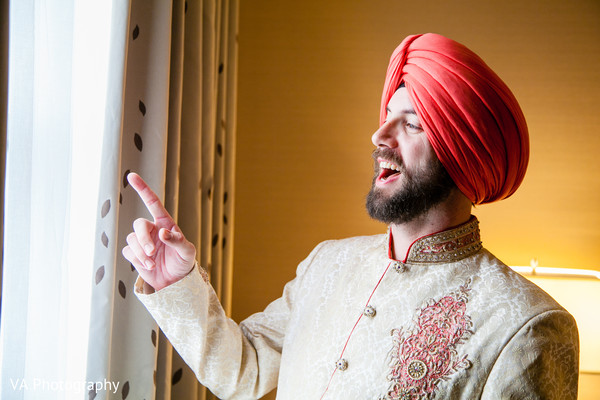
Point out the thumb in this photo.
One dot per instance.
(175, 239)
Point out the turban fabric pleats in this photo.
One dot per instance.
(472, 120)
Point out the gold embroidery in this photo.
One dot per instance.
(448, 246)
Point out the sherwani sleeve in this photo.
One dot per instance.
(539, 362)
(233, 361)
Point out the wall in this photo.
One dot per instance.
(310, 79)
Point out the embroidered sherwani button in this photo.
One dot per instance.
(369, 311)
(341, 364)
(416, 369)
(398, 266)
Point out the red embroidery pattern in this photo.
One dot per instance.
(426, 353)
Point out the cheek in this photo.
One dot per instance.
(428, 154)
(431, 156)
(422, 153)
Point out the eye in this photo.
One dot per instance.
(413, 127)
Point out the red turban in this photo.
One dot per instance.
(471, 118)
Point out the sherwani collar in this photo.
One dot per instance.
(443, 247)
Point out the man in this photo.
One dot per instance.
(421, 312)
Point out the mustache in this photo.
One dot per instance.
(387, 154)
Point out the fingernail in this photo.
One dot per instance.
(168, 235)
(149, 248)
(149, 264)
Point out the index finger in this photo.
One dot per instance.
(150, 199)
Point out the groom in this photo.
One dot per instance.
(422, 311)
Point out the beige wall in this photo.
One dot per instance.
(310, 78)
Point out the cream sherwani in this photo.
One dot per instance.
(449, 322)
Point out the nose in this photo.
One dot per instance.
(384, 136)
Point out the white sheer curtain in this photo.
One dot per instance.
(44, 315)
(97, 89)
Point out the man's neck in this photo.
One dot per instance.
(454, 211)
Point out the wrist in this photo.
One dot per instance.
(168, 282)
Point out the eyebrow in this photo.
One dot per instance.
(405, 111)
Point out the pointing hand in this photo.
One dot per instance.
(157, 249)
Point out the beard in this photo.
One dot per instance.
(421, 190)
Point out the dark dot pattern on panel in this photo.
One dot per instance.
(177, 376)
(125, 390)
(136, 32)
(105, 208)
(125, 181)
(122, 289)
(137, 140)
(99, 274)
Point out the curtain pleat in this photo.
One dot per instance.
(208, 239)
(14, 297)
(229, 95)
(201, 163)
(189, 42)
(3, 116)
(167, 358)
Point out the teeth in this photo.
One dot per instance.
(388, 165)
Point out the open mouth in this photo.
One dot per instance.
(387, 170)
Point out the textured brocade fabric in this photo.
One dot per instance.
(538, 361)
(461, 327)
(221, 356)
